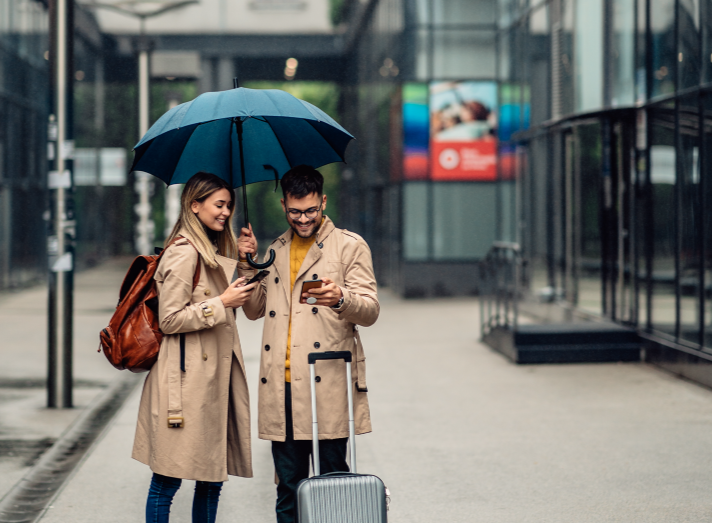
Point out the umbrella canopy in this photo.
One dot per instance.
(278, 132)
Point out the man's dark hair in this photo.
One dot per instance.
(301, 181)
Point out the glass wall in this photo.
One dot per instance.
(615, 204)
(23, 134)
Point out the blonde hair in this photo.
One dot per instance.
(198, 188)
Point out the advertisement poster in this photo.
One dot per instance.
(463, 127)
(416, 135)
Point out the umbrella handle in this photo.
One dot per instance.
(254, 264)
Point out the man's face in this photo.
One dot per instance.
(304, 214)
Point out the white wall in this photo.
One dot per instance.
(229, 16)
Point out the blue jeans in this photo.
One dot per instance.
(160, 497)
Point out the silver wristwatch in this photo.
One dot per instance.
(338, 303)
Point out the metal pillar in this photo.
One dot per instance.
(145, 226)
(61, 262)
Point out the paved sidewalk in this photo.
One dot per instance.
(27, 427)
(462, 435)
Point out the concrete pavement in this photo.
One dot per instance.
(462, 435)
(27, 427)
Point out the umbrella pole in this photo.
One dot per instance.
(250, 258)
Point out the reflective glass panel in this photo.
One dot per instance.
(589, 54)
(623, 52)
(536, 58)
(464, 12)
(641, 93)
(688, 56)
(706, 29)
(707, 194)
(567, 57)
(463, 55)
(689, 187)
(415, 221)
(664, 59)
(587, 165)
(662, 179)
(463, 220)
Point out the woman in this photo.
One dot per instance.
(194, 418)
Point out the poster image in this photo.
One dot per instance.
(463, 127)
(416, 135)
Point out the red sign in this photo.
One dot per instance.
(464, 160)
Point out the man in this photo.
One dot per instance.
(311, 249)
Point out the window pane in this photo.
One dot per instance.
(463, 220)
(463, 12)
(463, 55)
(589, 54)
(707, 174)
(623, 51)
(662, 178)
(640, 76)
(689, 187)
(689, 44)
(662, 28)
(588, 168)
(537, 59)
(566, 70)
(415, 221)
(706, 41)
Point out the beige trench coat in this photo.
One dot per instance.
(345, 258)
(211, 395)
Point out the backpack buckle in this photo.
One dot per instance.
(175, 422)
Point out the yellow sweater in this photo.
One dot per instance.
(297, 252)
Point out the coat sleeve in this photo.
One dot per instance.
(174, 276)
(360, 305)
(254, 308)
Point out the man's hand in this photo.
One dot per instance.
(246, 243)
(327, 295)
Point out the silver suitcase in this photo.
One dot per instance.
(339, 497)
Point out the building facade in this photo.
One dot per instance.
(24, 88)
(609, 155)
(420, 93)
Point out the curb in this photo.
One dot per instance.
(27, 500)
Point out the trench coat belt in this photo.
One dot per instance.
(175, 397)
(360, 367)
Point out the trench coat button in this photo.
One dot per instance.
(264, 380)
(276, 280)
(207, 292)
(315, 277)
(205, 357)
(267, 347)
(317, 379)
(271, 314)
(321, 245)
(315, 310)
(317, 344)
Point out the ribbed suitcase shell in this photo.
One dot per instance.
(342, 498)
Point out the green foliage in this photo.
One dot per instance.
(336, 11)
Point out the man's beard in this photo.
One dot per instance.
(310, 231)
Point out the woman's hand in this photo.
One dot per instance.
(246, 243)
(237, 293)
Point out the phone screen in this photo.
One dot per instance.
(309, 284)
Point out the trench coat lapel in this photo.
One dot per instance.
(228, 266)
(281, 262)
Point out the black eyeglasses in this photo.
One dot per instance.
(296, 214)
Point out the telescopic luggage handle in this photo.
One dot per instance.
(332, 355)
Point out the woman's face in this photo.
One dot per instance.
(215, 210)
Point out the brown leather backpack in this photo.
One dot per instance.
(133, 337)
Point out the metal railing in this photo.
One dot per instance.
(500, 287)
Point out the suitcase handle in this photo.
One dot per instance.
(332, 355)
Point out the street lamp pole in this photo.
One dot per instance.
(61, 263)
(145, 226)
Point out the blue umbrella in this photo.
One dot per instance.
(241, 135)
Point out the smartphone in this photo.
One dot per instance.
(309, 284)
(257, 277)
